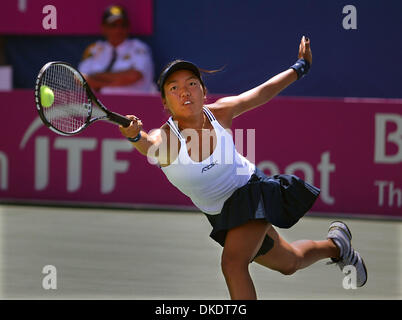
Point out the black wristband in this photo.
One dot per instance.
(136, 138)
(301, 67)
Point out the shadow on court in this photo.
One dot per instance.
(123, 254)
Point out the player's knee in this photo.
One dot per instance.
(231, 264)
(292, 265)
(288, 270)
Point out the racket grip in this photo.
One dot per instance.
(119, 119)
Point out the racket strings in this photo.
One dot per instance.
(70, 109)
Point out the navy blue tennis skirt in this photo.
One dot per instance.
(281, 200)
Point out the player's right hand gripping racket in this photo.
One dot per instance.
(72, 106)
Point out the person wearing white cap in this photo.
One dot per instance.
(118, 65)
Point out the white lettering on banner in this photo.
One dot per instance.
(381, 120)
(74, 148)
(50, 20)
(325, 167)
(381, 185)
(394, 194)
(41, 163)
(111, 166)
(301, 166)
(4, 171)
(268, 165)
(350, 21)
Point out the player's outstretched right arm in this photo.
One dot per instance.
(140, 139)
(155, 144)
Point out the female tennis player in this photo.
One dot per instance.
(197, 155)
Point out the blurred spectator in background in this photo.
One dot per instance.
(6, 81)
(118, 64)
(2, 50)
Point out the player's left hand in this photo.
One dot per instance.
(305, 50)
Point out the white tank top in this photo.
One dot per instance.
(211, 182)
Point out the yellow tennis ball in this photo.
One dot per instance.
(46, 96)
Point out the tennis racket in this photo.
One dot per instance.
(66, 103)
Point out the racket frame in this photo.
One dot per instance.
(92, 99)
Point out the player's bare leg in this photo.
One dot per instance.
(241, 245)
(287, 258)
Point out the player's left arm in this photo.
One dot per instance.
(231, 107)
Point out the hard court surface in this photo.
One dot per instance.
(133, 254)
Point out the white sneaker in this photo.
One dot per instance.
(342, 237)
